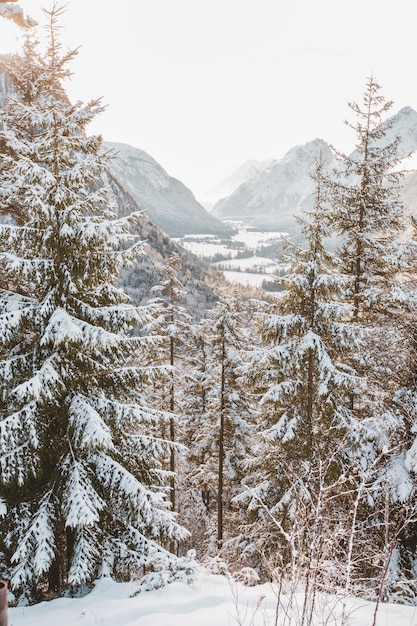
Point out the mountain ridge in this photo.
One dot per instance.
(166, 200)
(274, 194)
(273, 197)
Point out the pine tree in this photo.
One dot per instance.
(199, 501)
(80, 476)
(398, 477)
(172, 325)
(221, 417)
(366, 212)
(311, 436)
(366, 209)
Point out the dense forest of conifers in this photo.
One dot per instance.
(276, 436)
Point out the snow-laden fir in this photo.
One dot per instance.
(83, 483)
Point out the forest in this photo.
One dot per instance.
(275, 437)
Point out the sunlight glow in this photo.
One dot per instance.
(10, 36)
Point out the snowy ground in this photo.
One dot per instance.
(209, 245)
(251, 271)
(239, 271)
(211, 601)
(248, 279)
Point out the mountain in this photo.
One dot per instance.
(167, 201)
(273, 196)
(404, 125)
(197, 275)
(242, 174)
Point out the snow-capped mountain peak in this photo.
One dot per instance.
(244, 173)
(278, 191)
(274, 195)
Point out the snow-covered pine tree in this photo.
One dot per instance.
(365, 207)
(398, 477)
(367, 214)
(221, 419)
(171, 325)
(311, 437)
(198, 495)
(80, 477)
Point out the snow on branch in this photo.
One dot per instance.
(61, 329)
(44, 384)
(17, 438)
(112, 315)
(129, 416)
(15, 14)
(90, 430)
(9, 322)
(13, 426)
(95, 336)
(86, 556)
(281, 391)
(36, 550)
(141, 506)
(81, 502)
(26, 269)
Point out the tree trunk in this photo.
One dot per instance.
(3, 604)
(310, 399)
(172, 438)
(221, 451)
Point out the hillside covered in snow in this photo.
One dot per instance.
(271, 195)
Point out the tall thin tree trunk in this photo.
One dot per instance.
(221, 451)
(310, 398)
(172, 438)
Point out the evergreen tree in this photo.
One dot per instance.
(366, 212)
(398, 477)
(365, 208)
(221, 417)
(172, 325)
(311, 437)
(80, 477)
(199, 501)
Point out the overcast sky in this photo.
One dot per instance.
(204, 85)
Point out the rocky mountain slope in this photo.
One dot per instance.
(272, 197)
(166, 200)
(198, 276)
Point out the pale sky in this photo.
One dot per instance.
(204, 85)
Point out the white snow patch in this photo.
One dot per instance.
(248, 279)
(212, 599)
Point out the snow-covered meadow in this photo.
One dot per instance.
(252, 270)
(209, 245)
(212, 600)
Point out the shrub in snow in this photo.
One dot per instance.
(183, 569)
(248, 576)
(217, 566)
